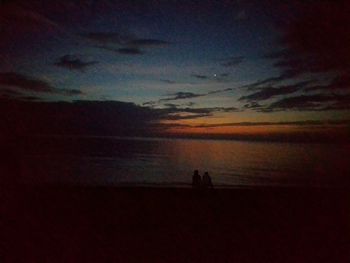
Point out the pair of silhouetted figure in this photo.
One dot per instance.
(199, 182)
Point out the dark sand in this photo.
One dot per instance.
(136, 224)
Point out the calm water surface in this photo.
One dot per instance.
(120, 161)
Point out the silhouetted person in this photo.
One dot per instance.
(207, 181)
(196, 179)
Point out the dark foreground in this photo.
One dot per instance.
(100, 224)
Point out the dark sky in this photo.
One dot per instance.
(190, 66)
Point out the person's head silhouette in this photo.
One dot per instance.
(207, 180)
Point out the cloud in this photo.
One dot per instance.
(189, 104)
(282, 123)
(112, 118)
(174, 112)
(198, 76)
(219, 91)
(171, 105)
(130, 51)
(8, 94)
(232, 61)
(168, 81)
(269, 92)
(72, 62)
(123, 43)
(92, 117)
(25, 83)
(179, 116)
(224, 75)
(124, 39)
(182, 95)
(207, 110)
(185, 95)
(316, 41)
(270, 81)
(339, 83)
(252, 105)
(124, 50)
(317, 102)
(80, 117)
(149, 104)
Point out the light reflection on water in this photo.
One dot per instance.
(116, 161)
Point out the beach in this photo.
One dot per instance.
(147, 224)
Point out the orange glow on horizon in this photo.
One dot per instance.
(251, 130)
(291, 131)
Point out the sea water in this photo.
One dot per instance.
(170, 162)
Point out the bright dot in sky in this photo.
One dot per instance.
(215, 75)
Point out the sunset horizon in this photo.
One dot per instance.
(172, 131)
(227, 67)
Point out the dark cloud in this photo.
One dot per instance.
(252, 105)
(232, 61)
(73, 62)
(186, 111)
(124, 40)
(25, 83)
(124, 50)
(219, 91)
(190, 104)
(91, 117)
(130, 51)
(185, 95)
(174, 112)
(339, 83)
(149, 103)
(171, 105)
(123, 43)
(208, 110)
(105, 118)
(69, 92)
(267, 81)
(316, 41)
(8, 94)
(269, 92)
(20, 81)
(283, 123)
(228, 109)
(198, 76)
(317, 102)
(180, 116)
(168, 81)
(182, 95)
(79, 117)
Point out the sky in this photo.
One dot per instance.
(175, 67)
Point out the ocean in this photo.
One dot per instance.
(116, 161)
